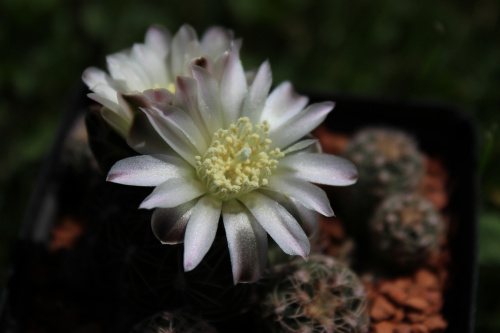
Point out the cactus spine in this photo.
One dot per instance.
(318, 296)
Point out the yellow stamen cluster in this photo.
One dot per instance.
(170, 87)
(238, 160)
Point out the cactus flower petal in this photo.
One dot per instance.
(257, 93)
(300, 124)
(279, 223)
(201, 229)
(247, 242)
(282, 104)
(312, 197)
(320, 168)
(174, 192)
(169, 224)
(148, 170)
(234, 83)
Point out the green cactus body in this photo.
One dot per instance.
(388, 161)
(318, 296)
(406, 229)
(173, 322)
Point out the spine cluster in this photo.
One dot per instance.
(406, 229)
(318, 296)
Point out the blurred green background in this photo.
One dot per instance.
(445, 51)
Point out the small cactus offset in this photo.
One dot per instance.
(388, 161)
(173, 322)
(318, 296)
(406, 229)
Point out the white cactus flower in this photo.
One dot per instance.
(234, 151)
(152, 65)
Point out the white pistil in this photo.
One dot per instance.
(243, 155)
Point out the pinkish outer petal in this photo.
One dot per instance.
(169, 224)
(209, 102)
(186, 98)
(159, 95)
(147, 170)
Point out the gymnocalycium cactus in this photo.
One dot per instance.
(321, 295)
(406, 229)
(173, 322)
(388, 161)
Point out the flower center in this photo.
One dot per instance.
(238, 160)
(170, 87)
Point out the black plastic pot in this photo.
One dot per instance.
(438, 130)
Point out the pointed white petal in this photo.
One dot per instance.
(169, 224)
(111, 104)
(152, 66)
(233, 87)
(218, 65)
(319, 168)
(186, 94)
(238, 42)
(299, 125)
(301, 145)
(186, 98)
(257, 94)
(125, 110)
(123, 67)
(309, 195)
(184, 47)
(278, 223)
(250, 76)
(179, 119)
(147, 170)
(209, 99)
(282, 104)
(143, 138)
(174, 192)
(100, 83)
(173, 135)
(247, 242)
(308, 218)
(118, 123)
(215, 41)
(201, 230)
(93, 76)
(158, 39)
